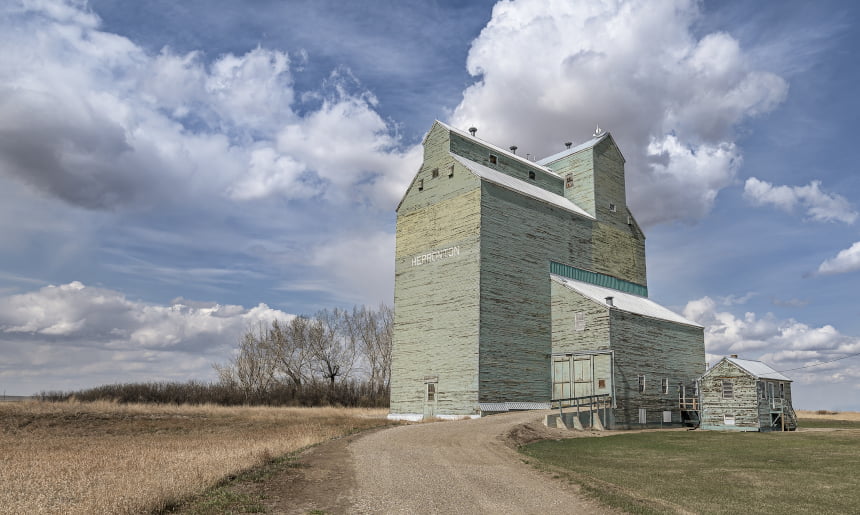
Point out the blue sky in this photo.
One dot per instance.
(173, 172)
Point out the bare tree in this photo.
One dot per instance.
(289, 349)
(333, 355)
(370, 333)
(251, 369)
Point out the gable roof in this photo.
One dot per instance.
(582, 146)
(623, 301)
(500, 150)
(519, 186)
(756, 369)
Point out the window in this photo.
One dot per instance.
(695, 389)
(431, 392)
(667, 417)
(420, 184)
(435, 173)
(643, 414)
(601, 383)
(782, 390)
(612, 207)
(568, 180)
(762, 389)
(728, 389)
(531, 175)
(579, 321)
(451, 171)
(729, 420)
(641, 383)
(664, 385)
(493, 159)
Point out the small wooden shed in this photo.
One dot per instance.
(746, 395)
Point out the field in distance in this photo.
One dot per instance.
(112, 458)
(813, 470)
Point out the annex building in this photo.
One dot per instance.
(518, 282)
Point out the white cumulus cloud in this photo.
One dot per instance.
(845, 261)
(46, 333)
(806, 353)
(819, 205)
(548, 72)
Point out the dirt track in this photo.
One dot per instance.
(466, 466)
(456, 467)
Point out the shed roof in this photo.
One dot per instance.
(757, 369)
(512, 183)
(623, 301)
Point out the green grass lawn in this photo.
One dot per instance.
(713, 472)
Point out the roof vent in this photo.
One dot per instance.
(528, 157)
(513, 149)
(567, 144)
(609, 301)
(734, 356)
(473, 130)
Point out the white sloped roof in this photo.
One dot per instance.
(623, 301)
(500, 150)
(758, 369)
(512, 183)
(568, 151)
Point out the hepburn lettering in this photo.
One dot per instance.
(436, 255)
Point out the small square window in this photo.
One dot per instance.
(451, 171)
(667, 417)
(568, 180)
(531, 175)
(420, 184)
(729, 420)
(601, 383)
(612, 207)
(493, 159)
(435, 173)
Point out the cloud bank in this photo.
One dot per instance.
(819, 205)
(671, 99)
(786, 344)
(73, 336)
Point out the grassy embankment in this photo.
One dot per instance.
(717, 472)
(113, 458)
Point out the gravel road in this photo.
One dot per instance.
(455, 467)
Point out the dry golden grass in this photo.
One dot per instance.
(851, 416)
(108, 458)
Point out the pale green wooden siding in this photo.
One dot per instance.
(581, 190)
(519, 237)
(658, 349)
(436, 303)
(565, 304)
(511, 166)
(486, 321)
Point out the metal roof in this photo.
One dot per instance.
(757, 369)
(568, 151)
(512, 183)
(623, 301)
(500, 150)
